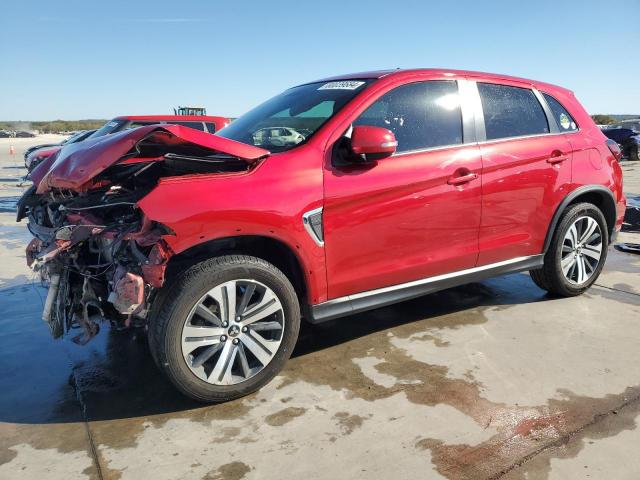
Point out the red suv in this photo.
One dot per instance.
(334, 197)
(199, 122)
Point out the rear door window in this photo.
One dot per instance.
(511, 111)
(195, 125)
(138, 123)
(421, 115)
(565, 121)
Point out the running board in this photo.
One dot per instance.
(360, 302)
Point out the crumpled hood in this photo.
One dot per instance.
(76, 164)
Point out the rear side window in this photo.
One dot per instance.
(421, 115)
(565, 121)
(136, 124)
(511, 111)
(195, 125)
(211, 127)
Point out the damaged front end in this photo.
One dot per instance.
(100, 255)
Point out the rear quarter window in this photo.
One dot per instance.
(563, 118)
(511, 111)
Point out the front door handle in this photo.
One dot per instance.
(461, 179)
(557, 157)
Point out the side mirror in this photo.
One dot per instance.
(372, 143)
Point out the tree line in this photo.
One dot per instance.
(54, 126)
(603, 119)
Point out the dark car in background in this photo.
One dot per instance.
(40, 153)
(24, 134)
(627, 135)
(76, 137)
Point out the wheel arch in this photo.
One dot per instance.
(597, 195)
(267, 248)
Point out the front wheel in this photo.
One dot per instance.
(226, 328)
(577, 252)
(634, 154)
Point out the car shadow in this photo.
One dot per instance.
(114, 376)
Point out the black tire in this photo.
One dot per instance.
(550, 277)
(180, 297)
(634, 155)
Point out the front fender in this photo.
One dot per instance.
(263, 202)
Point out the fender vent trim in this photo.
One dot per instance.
(312, 221)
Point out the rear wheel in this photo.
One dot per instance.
(577, 252)
(633, 153)
(226, 328)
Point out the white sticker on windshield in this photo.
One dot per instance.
(112, 124)
(343, 85)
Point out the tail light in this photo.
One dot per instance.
(615, 149)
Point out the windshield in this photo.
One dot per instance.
(293, 116)
(73, 138)
(108, 128)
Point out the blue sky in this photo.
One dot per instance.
(83, 59)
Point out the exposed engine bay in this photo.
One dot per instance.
(100, 255)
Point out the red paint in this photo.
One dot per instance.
(399, 219)
(153, 272)
(220, 122)
(77, 164)
(520, 193)
(367, 140)
(48, 152)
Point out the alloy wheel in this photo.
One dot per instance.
(581, 250)
(233, 332)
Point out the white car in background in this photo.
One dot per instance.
(277, 136)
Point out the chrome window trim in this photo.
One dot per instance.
(307, 225)
(520, 137)
(431, 149)
(363, 301)
(473, 128)
(483, 142)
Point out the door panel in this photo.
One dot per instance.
(521, 188)
(400, 220)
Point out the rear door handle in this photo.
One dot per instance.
(557, 157)
(459, 180)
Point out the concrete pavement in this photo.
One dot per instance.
(489, 380)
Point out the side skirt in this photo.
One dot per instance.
(360, 302)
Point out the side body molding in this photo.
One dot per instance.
(371, 299)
